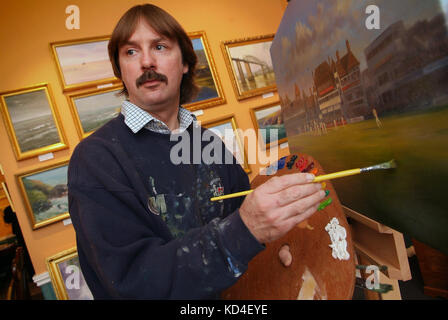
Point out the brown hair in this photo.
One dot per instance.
(164, 24)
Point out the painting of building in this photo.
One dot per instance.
(355, 95)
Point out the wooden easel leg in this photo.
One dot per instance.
(368, 294)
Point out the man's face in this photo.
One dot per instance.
(161, 59)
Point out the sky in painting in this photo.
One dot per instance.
(89, 103)
(51, 177)
(265, 112)
(197, 44)
(259, 50)
(82, 53)
(27, 105)
(311, 32)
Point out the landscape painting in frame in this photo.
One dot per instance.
(67, 277)
(227, 130)
(210, 91)
(250, 66)
(83, 62)
(32, 121)
(45, 194)
(268, 121)
(94, 108)
(364, 82)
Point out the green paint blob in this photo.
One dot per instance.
(325, 204)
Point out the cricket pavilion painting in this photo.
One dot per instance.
(360, 86)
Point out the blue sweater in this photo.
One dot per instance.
(145, 228)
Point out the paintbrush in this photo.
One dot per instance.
(382, 166)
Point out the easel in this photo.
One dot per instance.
(376, 244)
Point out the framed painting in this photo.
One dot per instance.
(83, 62)
(66, 276)
(32, 121)
(227, 129)
(249, 64)
(45, 194)
(210, 90)
(268, 121)
(93, 108)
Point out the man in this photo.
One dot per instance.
(145, 227)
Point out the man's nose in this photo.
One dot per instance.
(148, 60)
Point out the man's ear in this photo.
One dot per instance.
(185, 69)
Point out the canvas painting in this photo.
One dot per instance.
(74, 291)
(93, 109)
(32, 121)
(66, 276)
(210, 91)
(363, 83)
(268, 121)
(83, 62)
(45, 192)
(227, 131)
(204, 78)
(250, 65)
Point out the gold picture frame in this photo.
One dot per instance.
(7, 195)
(253, 53)
(268, 117)
(94, 107)
(220, 125)
(211, 93)
(83, 63)
(66, 276)
(44, 191)
(32, 121)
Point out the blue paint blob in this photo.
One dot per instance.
(281, 163)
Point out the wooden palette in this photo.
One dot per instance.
(313, 273)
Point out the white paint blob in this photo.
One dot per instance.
(338, 243)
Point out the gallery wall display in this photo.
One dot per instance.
(354, 95)
(66, 276)
(93, 108)
(269, 119)
(32, 121)
(227, 129)
(83, 62)
(249, 64)
(44, 192)
(210, 90)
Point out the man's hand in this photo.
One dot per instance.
(279, 204)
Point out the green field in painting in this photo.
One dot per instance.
(411, 198)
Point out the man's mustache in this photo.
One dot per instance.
(150, 75)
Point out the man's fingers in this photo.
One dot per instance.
(303, 205)
(277, 184)
(297, 192)
(295, 220)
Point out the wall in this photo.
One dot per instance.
(28, 27)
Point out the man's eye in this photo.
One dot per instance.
(160, 47)
(130, 52)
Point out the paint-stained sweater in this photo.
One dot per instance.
(145, 227)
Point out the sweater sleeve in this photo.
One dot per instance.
(126, 248)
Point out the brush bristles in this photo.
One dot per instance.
(392, 164)
(386, 165)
